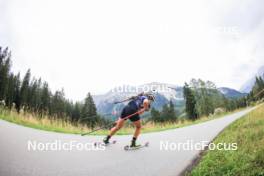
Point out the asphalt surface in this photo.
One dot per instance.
(18, 157)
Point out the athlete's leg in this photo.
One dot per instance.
(136, 133)
(119, 124)
(138, 128)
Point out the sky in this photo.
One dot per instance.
(93, 46)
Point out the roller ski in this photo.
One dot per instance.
(135, 146)
(105, 142)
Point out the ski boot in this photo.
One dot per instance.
(134, 145)
(106, 140)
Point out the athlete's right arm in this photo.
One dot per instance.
(145, 107)
(146, 104)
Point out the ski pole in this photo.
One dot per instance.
(98, 129)
(125, 118)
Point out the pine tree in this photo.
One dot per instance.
(88, 113)
(189, 102)
(76, 114)
(45, 97)
(58, 107)
(69, 109)
(37, 99)
(32, 96)
(155, 115)
(10, 95)
(17, 98)
(171, 112)
(5, 64)
(25, 90)
(164, 113)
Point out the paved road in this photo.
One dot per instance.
(16, 159)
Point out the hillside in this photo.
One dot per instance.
(231, 93)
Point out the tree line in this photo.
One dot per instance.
(202, 98)
(34, 95)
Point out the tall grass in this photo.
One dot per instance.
(65, 126)
(43, 123)
(248, 159)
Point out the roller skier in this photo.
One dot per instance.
(137, 105)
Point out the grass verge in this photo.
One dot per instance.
(63, 126)
(247, 160)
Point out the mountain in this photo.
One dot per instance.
(247, 86)
(231, 93)
(163, 93)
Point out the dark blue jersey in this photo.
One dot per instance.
(139, 101)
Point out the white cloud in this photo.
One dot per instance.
(96, 45)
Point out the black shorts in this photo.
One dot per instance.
(129, 109)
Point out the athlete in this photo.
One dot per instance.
(133, 109)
